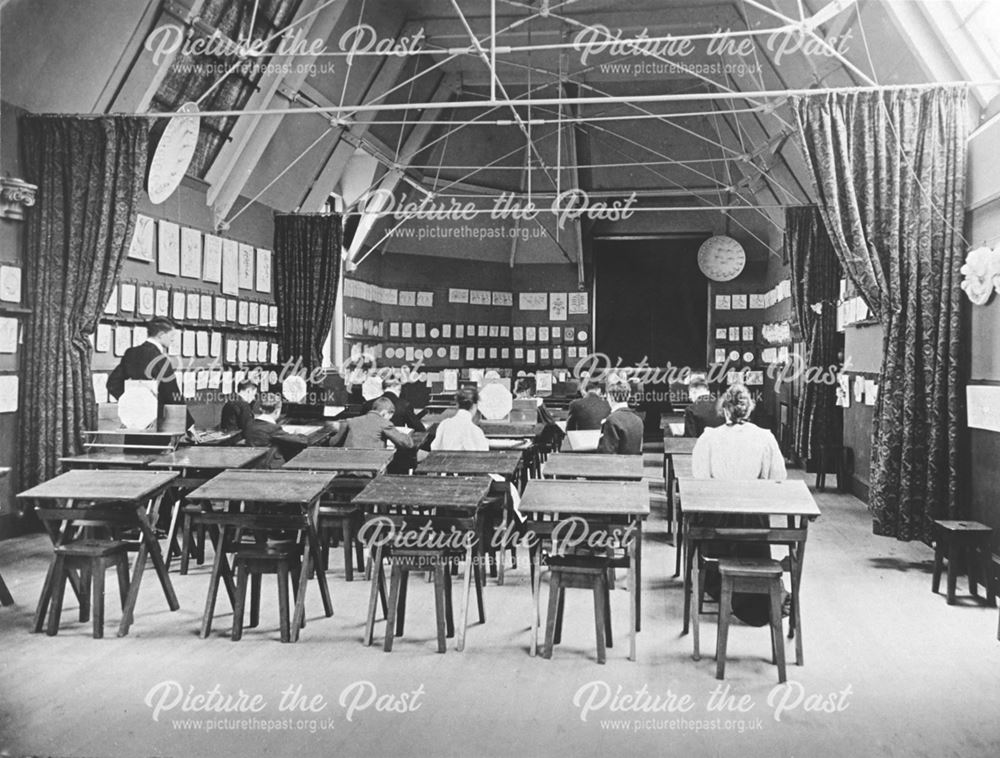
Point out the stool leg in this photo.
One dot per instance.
(722, 638)
(971, 558)
(46, 597)
(821, 471)
(550, 621)
(286, 634)
(359, 555)
(404, 583)
(58, 590)
(953, 552)
(607, 616)
(185, 544)
(85, 596)
(390, 624)
(559, 616)
(348, 538)
(776, 634)
(988, 580)
(123, 579)
(449, 611)
(241, 596)
(440, 569)
(98, 598)
(480, 606)
(376, 592)
(600, 584)
(938, 564)
(254, 599)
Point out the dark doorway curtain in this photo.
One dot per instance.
(651, 302)
(816, 277)
(889, 170)
(306, 267)
(89, 173)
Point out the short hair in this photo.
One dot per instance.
(698, 382)
(270, 402)
(245, 385)
(467, 397)
(383, 404)
(737, 404)
(159, 326)
(525, 384)
(620, 392)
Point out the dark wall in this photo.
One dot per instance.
(11, 241)
(187, 206)
(863, 355)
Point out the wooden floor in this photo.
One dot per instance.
(905, 674)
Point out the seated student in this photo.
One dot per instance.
(460, 432)
(264, 431)
(738, 451)
(238, 412)
(403, 413)
(372, 430)
(703, 413)
(622, 430)
(587, 412)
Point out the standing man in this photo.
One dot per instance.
(150, 362)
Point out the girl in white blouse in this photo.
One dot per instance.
(738, 450)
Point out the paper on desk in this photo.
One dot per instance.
(515, 497)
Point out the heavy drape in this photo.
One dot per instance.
(889, 172)
(307, 249)
(815, 288)
(89, 173)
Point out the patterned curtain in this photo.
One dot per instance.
(815, 288)
(889, 171)
(307, 250)
(89, 173)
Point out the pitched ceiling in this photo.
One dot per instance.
(727, 153)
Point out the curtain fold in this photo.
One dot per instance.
(815, 289)
(307, 248)
(889, 172)
(89, 173)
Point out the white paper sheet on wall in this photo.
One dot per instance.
(8, 393)
(100, 382)
(10, 284)
(8, 335)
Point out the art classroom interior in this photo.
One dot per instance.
(499, 377)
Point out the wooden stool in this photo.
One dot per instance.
(253, 562)
(437, 563)
(969, 537)
(192, 536)
(92, 558)
(581, 572)
(5, 597)
(757, 576)
(345, 519)
(837, 455)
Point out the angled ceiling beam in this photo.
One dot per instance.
(149, 68)
(574, 183)
(333, 167)
(251, 135)
(941, 51)
(447, 87)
